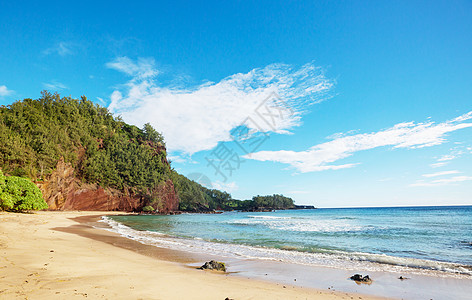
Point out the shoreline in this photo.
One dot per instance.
(61, 255)
(416, 266)
(421, 284)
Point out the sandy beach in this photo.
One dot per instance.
(58, 255)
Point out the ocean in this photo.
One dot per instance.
(413, 239)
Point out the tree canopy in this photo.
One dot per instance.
(195, 197)
(103, 149)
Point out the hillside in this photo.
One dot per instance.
(197, 198)
(82, 157)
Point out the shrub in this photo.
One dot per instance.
(148, 208)
(19, 194)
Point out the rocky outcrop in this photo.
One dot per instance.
(214, 265)
(94, 197)
(64, 191)
(167, 197)
(361, 279)
(58, 186)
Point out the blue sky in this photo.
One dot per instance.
(333, 103)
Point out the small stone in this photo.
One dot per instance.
(213, 265)
(360, 278)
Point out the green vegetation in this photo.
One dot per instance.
(148, 208)
(195, 197)
(273, 201)
(35, 134)
(102, 149)
(20, 194)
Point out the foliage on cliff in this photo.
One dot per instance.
(19, 194)
(273, 201)
(103, 150)
(35, 134)
(195, 197)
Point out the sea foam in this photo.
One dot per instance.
(356, 261)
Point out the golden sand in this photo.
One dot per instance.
(51, 255)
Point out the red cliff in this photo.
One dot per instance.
(64, 191)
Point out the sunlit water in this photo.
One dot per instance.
(419, 238)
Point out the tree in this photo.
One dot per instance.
(151, 134)
(19, 194)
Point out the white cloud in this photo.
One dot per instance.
(444, 160)
(456, 152)
(403, 135)
(444, 181)
(454, 179)
(197, 118)
(4, 91)
(229, 187)
(447, 157)
(54, 86)
(438, 165)
(441, 173)
(181, 159)
(176, 159)
(61, 48)
(142, 69)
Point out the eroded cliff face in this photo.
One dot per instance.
(168, 197)
(64, 191)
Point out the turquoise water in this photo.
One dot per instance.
(422, 238)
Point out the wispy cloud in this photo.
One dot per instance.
(447, 157)
(54, 86)
(404, 135)
(143, 68)
(102, 102)
(456, 152)
(441, 173)
(182, 159)
(444, 181)
(61, 48)
(438, 165)
(196, 118)
(4, 91)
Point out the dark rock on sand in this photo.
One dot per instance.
(214, 265)
(360, 278)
